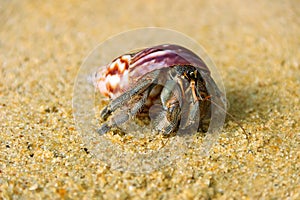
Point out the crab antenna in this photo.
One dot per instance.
(232, 117)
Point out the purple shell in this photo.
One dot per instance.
(125, 70)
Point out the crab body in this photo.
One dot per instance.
(168, 82)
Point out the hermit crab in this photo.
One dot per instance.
(168, 83)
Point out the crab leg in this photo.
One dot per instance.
(191, 109)
(145, 85)
(167, 120)
(125, 115)
(141, 86)
(191, 116)
(170, 91)
(173, 123)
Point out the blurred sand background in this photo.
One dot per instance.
(255, 45)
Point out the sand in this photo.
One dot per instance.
(255, 45)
